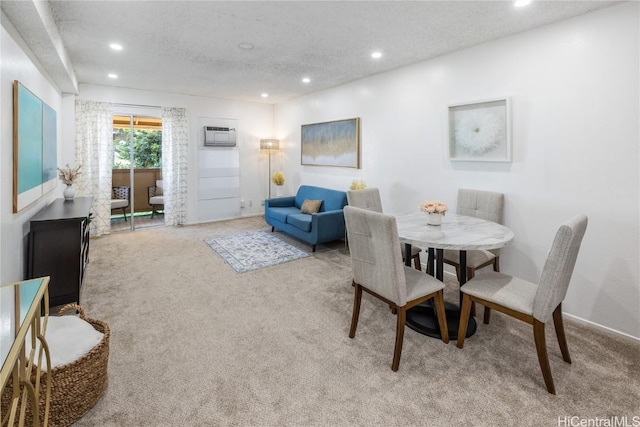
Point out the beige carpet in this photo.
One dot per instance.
(195, 344)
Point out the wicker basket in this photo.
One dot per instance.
(77, 386)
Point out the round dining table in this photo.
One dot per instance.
(457, 232)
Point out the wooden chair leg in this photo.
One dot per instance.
(470, 274)
(416, 262)
(397, 352)
(562, 339)
(357, 299)
(465, 310)
(543, 359)
(487, 310)
(487, 315)
(442, 317)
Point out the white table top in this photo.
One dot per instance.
(457, 232)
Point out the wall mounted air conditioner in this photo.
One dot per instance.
(217, 136)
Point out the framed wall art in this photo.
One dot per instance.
(335, 143)
(34, 147)
(480, 131)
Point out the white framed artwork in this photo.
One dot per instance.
(480, 131)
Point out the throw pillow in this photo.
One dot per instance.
(159, 189)
(310, 206)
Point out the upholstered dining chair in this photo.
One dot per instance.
(480, 204)
(369, 198)
(378, 270)
(533, 303)
(120, 198)
(156, 197)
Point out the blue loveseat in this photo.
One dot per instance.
(327, 225)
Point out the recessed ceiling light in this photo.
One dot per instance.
(306, 80)
(115, 46)
(112, 76)
(376, 55)
(521, 3)
(245, 46)
(265, 95)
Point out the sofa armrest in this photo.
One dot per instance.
(279, 202)
(329, 224)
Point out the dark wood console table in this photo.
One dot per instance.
(59, 247)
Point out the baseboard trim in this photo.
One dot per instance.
(601, 327)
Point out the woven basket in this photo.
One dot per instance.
(76, 386)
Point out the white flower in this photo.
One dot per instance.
(479, 131)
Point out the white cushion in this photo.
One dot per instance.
(156, 200)
(69, 339)
(159, 188)
(119, 203)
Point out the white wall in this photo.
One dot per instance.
(254, 121)
(575, 115)
(17, 64)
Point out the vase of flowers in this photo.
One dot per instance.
(435, 210)
(69, 176)
(278, 179)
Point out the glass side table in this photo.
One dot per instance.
(21, 305)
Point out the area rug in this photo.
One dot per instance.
(253, 250)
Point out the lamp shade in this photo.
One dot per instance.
(269, 144)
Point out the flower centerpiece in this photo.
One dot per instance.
(435, 209)
(358, 185)
(69, 176)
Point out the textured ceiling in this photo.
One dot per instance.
(192, 47)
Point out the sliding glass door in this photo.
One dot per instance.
(137, 166)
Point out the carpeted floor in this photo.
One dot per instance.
(196, 344)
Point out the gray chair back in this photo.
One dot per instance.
(375, 258)
(368, 198)
(557, 271)
(481, 204)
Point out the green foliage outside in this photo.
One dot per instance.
(147, 149)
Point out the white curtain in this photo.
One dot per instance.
(94, 152)
(175, 144)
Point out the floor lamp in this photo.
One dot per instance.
(270, 145)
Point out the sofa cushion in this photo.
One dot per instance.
(310, 206)
(280, 214)
(301, 221)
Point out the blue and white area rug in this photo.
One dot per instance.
(253, 250)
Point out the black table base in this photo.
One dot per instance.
(423, 319)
